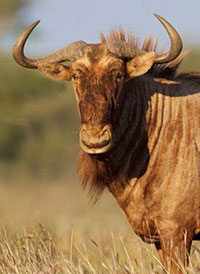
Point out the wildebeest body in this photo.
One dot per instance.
(156, 162)
(154, 171)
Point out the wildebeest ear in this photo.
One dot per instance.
(55, 71)
(140, 64)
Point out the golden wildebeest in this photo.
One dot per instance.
(139, 133)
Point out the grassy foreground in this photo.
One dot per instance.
(55, 229)
(39, 251)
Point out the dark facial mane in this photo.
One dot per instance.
(92, 172)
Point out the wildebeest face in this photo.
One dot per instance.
(97, 79)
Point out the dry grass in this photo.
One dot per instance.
(75, 236)
(39, 251)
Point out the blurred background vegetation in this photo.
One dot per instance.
(38, 121)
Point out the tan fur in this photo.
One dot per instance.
(84, 61)
(140, 64)
(106, 61)
(55, 71)
(165, 81)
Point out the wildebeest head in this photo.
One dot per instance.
(98, 73)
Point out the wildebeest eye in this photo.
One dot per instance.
(74, 76)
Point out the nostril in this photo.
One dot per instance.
(105, 134)
(84, 134)
(106, 130)
(94, 138)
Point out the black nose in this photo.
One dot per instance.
(95, 138)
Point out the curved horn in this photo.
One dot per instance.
(69, 53)
(176, 43)
(18, 49)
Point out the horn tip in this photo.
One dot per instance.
(36, 23)
(157, 16)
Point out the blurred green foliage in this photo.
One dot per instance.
(10, 6)
(38, 123)
(192, 61)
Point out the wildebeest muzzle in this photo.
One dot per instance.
(95, 139)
